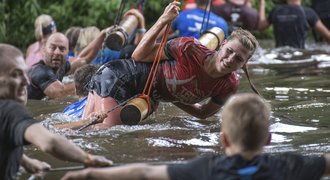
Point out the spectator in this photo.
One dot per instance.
(322, 8)
(44, 25)
(291, 22)
(47, 74)
(192, 22)
(72, 34)
(86, 36)
(239, 13)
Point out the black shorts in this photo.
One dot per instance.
(120, 79)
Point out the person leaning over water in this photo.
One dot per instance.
(81, 78)
(188, 73)
(18, 127)
(244, 132)
(291, 23)
(106, 54)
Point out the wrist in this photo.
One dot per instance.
(88, 160)
(140, 30)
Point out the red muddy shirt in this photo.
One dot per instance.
(183, 78)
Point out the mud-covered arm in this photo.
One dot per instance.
(147, 49)
(201, 111)
(131, 172)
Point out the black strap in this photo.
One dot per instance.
(120, 12)
(207, 9)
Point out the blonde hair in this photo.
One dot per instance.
(250, 42)
(41, 22)
(86, 36)
(245, 120)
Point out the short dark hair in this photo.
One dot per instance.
(72, 34)
(82, 76)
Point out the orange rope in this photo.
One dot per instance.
(156, 62)
(148, 86)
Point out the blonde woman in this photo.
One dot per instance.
(44, 25)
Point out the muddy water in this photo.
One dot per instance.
(300, 100)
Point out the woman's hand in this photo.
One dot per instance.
(171, 12)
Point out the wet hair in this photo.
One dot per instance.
(82, 76)
(86, 36)
(245, 121)
(249, 42)
(72, 34)
(43, 26)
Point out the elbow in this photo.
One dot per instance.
(49, 145)
(136, 56)
(262, 25)
(143, 171)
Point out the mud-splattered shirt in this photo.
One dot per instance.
(183, 79)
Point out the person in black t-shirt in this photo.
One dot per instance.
(291, 23)
(239, 13)
(46, 75)
(244, 132)
(18, 127)
(322, 8)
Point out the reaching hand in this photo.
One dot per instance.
(106, 30)
(138, 15)
(34, 166)
(96, 117)
(97, 161)
(171, 12)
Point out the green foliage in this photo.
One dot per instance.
(15, 26)
(17, 19)
(267, 33)
(18, 16)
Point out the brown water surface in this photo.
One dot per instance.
(300, 100)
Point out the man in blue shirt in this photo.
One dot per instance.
(190, 22)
